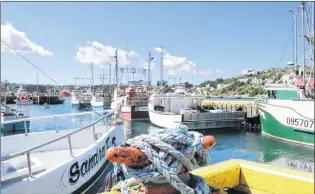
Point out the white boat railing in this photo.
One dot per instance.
(27, 152)
(51, 116)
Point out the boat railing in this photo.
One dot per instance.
(137, 102)
(27, 152)
(213, 116)
(50, 117)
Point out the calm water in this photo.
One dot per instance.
(231, 144)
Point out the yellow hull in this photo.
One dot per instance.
(259, 178)
(256, 178)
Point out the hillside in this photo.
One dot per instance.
(249, 85)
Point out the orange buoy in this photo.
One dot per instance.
(133, 157)
(127, 155)
(208, 142)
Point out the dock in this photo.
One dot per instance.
(252, 121)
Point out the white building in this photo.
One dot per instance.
(249, 71)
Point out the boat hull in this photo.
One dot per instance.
(285, 122)
(83, 173)
(134, 113)
(13, 128)
(81, 105)
(166, 120)
(101, 107)
(24, 102)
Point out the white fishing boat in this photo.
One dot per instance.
(9, 114)
(101, 101)
(180, 107)
(81, 99)
(65, 161)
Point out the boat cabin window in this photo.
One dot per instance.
(269, 94)
(273, 94)
(282, 94)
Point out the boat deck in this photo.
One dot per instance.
(40, 161)
(16, 169)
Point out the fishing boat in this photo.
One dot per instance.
(288, 112)
(22, 97)
(180, 107)
(81, 99)
(134, 102)
(101, 101)
(8, 117)
(64, 94)
(65, 161)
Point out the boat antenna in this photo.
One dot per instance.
(32, 64)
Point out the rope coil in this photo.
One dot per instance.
(169, 151)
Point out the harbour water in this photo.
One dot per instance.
(231, 143)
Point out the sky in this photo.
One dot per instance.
(202, 40)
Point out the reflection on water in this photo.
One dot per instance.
(231, 144)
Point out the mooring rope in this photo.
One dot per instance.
(169, 151)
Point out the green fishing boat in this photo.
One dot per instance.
(288, 111)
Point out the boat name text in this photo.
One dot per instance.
(300, 122)
(80, 169)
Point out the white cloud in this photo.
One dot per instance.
(219, 71)
(20, 42)
(176, 64)
(102, 55)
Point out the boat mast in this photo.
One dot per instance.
(295, 43)
(116, 67)
(161, 67)
(92, 87)
(303, 44)
(149, 70)
(37, 83)
(110, 78)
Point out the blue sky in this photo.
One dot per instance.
(202, 40)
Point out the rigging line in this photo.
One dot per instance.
(286, 45)
(31, 63)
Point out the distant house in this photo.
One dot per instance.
(249, 71)
(244, 80)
